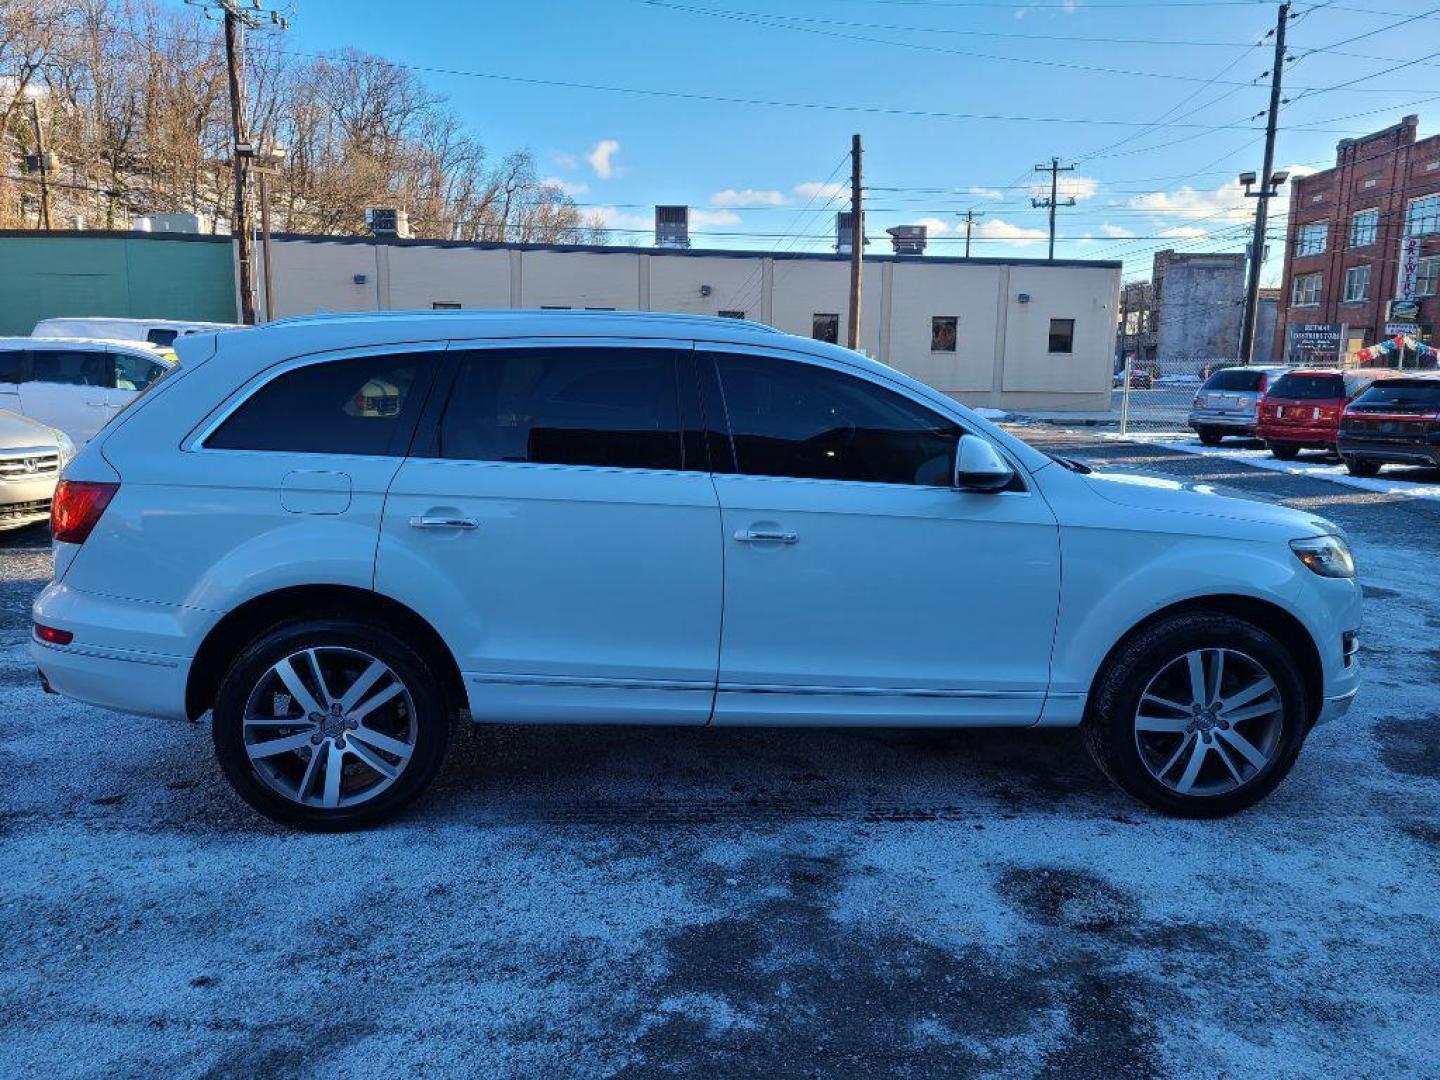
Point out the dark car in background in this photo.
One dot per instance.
(1302, 409)
(1229, 402)
(1395, 422)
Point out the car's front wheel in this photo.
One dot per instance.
(1198, 715)
(330, 724)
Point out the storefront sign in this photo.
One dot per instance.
(1409, 268)
(1405, 310)
(1409, 329)
(1319, 337)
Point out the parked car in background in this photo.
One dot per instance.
(31, 457)
(76, 384)
(161, 332)
(1394, 422)
(1228, 402)
(336, 534)
(1140, 379)
(1302, 409)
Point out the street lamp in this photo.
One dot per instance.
(1263, 194)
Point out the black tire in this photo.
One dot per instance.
(431, 718)
(1285, 451)
(1209, 436)
(1109, 725)
(1362, 467)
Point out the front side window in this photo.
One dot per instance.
(136, 372)
(1311, 239)
(72, 367)
(1427, 276)
(1062, 335)
(797, 420)
(825, 327)
(1357, 284)
(359, 405)
(12, 366)
(613, 408)
(1305, 292)
(1364, 227)
(944, 333)
(1422, 216)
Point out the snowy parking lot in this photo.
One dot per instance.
(649, 903)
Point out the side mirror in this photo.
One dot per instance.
(979, 466)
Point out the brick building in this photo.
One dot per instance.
(1347, 231)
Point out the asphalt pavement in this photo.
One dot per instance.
(675, 903)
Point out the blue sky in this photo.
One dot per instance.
(757, 174)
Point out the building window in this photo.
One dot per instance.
(1363, 228)
(1357, 284)
(825, 327)
(1305, 292)
(732, 314)
(1423, 216)
(944, 330)
(1062, 335)
(1427, 276)
(1310, 239)
(444, 305)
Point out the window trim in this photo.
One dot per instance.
(1374, 231)
(707, 351)
(1300, 250)
(194, 443)
(1319, 280)
(1364, 298)
(424, 441)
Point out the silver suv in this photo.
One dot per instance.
(1229, 402)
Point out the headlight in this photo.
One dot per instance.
(1328, 556)
(67, 447)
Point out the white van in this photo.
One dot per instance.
(76, 384)
(162, 332)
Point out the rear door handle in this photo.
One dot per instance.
(443, 523)
(773, 536)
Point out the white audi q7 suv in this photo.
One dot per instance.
(337, 534)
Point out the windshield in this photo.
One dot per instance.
(1308, 387)
(1235, 379)
(1402, 392)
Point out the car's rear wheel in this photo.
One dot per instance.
(330, 725)
(1362, 467)
(1198, 715)
(1284, 451)
(1209, 436)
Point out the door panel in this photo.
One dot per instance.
(889, 599)
(69, 389)
(568, 590)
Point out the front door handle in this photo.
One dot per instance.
(443, 523)
(773, 536)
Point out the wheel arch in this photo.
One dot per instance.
(245, 623)
(1270, 617)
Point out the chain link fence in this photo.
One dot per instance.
(1161, 393)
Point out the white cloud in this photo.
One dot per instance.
(987, 193)
(1000, 229)
(933, 225)
(601, 158)
(1185, 232)
(565, 160)
(1225, 205)
(1118, 232)
(567, 187)
(748, 197)
(814, 190)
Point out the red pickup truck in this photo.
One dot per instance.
(1303, 407)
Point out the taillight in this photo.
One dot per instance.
(52, 635)
(77, 507)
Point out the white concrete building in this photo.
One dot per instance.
(1002, 333)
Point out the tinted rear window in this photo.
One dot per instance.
(163, 338)
(1402, 392)
(1235, 379)
(1308, 387)
(360, 405)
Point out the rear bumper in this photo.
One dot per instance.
(126, 656)
(1299, 436)
(1233, 421)
(1398, 451)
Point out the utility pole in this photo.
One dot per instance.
(1270, 182)
(1054, 169)
(237, 19)
(272, 160)
(43, 164)
(857, 240)
(970, 216)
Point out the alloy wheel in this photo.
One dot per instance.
(329, 727)
(1209, 722)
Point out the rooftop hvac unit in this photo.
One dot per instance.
(672, 226)
(908, 239)
(387, 221)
